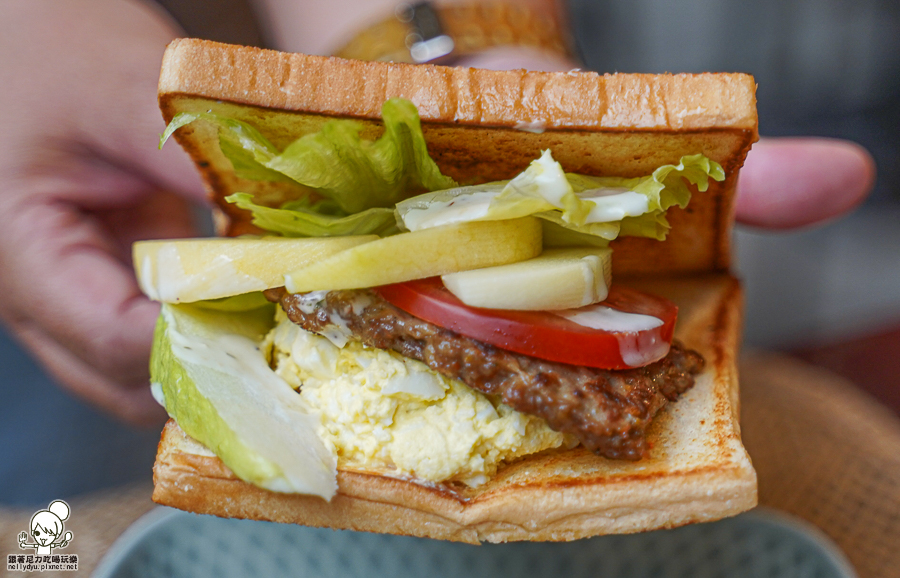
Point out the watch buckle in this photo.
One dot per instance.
(426, 40)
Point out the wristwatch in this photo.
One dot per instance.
(427, 32)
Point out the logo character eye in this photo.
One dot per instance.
(37, 532)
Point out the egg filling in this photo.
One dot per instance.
(381, 412)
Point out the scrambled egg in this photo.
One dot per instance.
(382, 412)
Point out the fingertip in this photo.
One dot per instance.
(793, 182)
(852, 170)
(867, 167)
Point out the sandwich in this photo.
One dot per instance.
(449, 305)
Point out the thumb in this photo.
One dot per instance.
(791, 182)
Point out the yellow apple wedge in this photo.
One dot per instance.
(421, 254)
(188, 270)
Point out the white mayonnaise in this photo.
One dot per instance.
(461, 209)
(600, 316)
(614, 204)
(545, 178)
(308, 301)
(637, 347)
(535, 126)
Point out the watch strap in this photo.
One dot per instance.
(426, 32)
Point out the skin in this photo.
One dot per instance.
(81, 178)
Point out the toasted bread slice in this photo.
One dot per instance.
(697, 470)
(474, 122)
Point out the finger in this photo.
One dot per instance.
(69, 281)
(791, 182)
(133, 122)
(160, 215)
(132, 403)
(100, 97)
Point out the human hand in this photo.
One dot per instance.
(80, 179)
(792, 182)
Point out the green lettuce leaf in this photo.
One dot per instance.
(306, 219)
(603, 207)
(354, 173)
(558, 235)
(246, 148)
(559, 229)
(664, 188)
(359, 174)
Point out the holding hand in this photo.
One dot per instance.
(81, 179)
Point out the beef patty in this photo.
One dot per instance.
(607, 410)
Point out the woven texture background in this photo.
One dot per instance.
(826, 453)
(823, 451)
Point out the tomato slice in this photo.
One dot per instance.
(614, 341)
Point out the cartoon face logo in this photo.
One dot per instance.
(47, 529)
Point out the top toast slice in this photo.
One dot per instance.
(480, 126)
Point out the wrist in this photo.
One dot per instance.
(312, 27)
(493, 34)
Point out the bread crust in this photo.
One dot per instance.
(697, 470)
(619, 124)
(482, 126)
(559, 100)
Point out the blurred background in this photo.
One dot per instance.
(830, 294)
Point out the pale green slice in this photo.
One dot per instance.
(217, 386)
(557, 279)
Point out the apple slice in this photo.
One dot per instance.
(187, 270)
(421, 254)
(557, 279)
